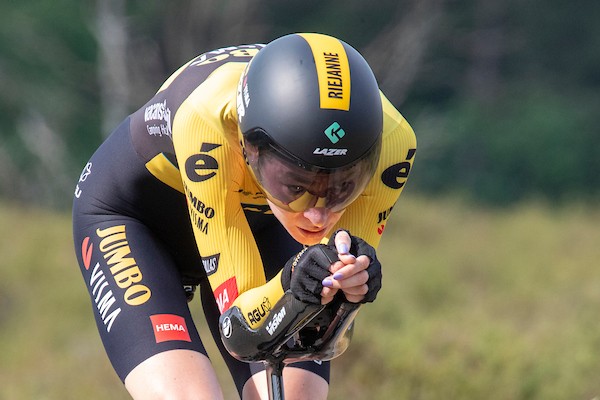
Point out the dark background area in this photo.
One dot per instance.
(503, 95)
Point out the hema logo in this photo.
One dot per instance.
(168, 327)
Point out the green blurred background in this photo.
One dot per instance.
(490, 288)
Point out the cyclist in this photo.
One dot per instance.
(247, 166)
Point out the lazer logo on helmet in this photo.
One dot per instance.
(330, 152)
(335, 132)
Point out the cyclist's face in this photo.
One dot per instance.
(309, 226)
(297, 189)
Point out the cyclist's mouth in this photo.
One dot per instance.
(312, 232)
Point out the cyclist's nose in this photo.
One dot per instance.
(318, 216)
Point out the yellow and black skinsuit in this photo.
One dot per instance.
(168, 202)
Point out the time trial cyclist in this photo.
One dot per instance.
(253, 170)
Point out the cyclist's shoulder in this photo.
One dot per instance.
(200, 68)
(204, 90)
(397, 131)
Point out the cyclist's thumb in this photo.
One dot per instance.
(342, 241)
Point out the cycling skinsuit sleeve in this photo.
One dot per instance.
(215, 180)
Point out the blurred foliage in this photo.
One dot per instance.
(476, 304)
(534, 143)
(526, 127)
(502, 94)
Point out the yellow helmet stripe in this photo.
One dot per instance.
(333, 70)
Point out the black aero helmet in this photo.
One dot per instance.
(311, 118)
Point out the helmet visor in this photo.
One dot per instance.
(295, 187)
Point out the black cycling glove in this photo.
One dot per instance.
(359, 247)
(304, 272)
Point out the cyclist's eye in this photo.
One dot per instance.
(295, 189)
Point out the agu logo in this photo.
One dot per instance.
(169, 327)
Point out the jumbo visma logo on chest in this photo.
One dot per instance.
(333, 71)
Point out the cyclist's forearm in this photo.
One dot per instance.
(256, 303)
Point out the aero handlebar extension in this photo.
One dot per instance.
(293, 331)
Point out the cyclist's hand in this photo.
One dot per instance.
(341, 241)
(359, 277)
(304, 273)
